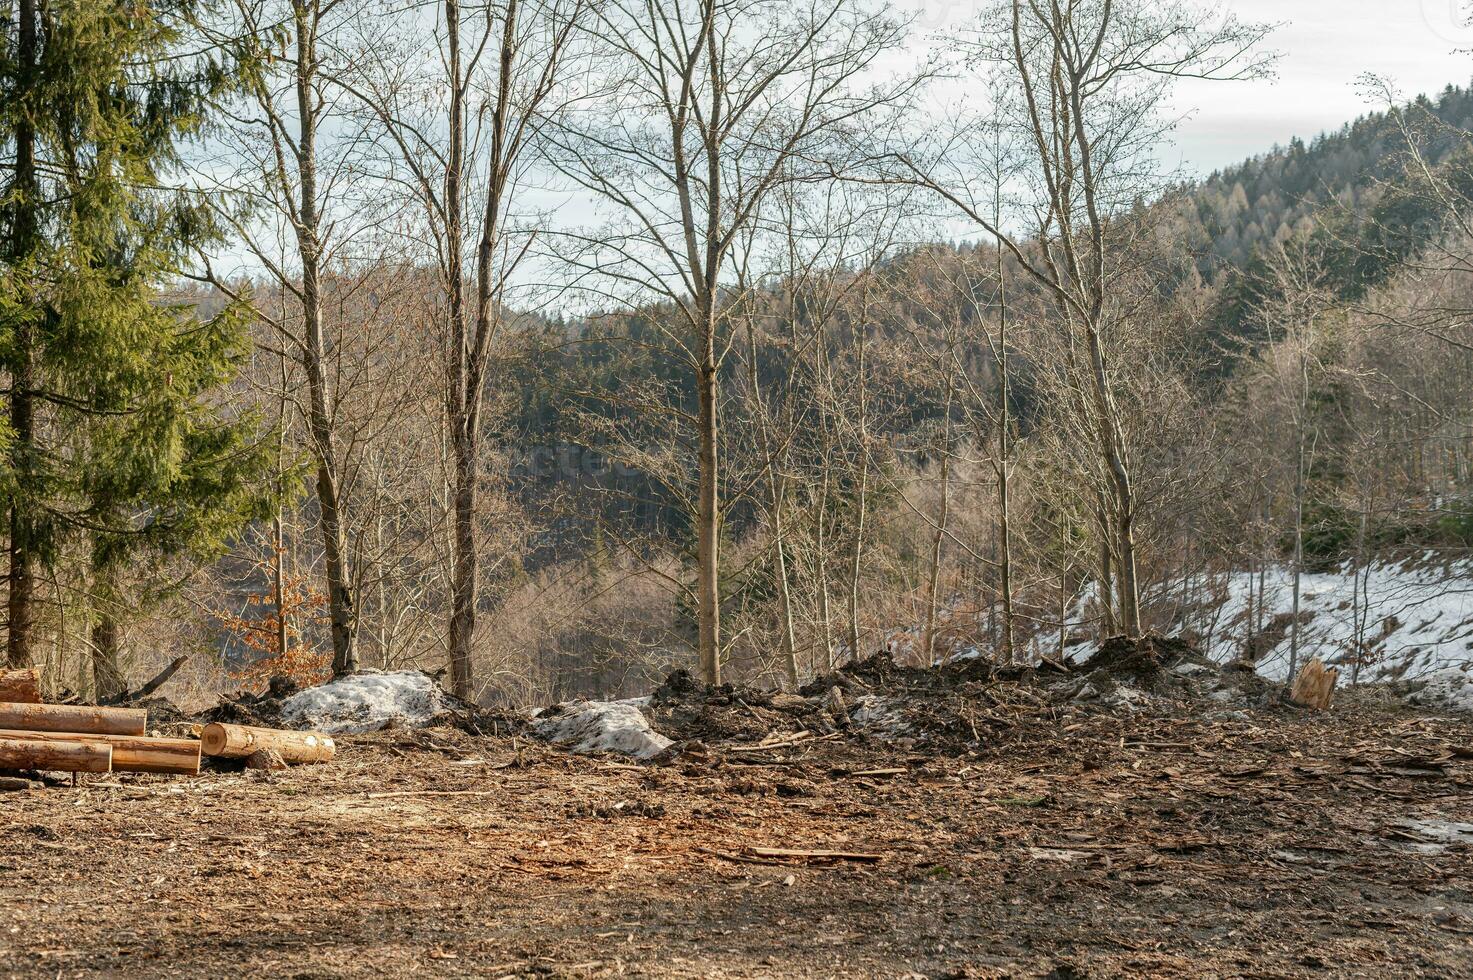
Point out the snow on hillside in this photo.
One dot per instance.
(1411, 619)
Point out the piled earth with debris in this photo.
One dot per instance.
(967, 705)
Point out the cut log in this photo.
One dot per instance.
(131, 753)
(56, 755)
(1315, 685)
(21, 686)
(72, 718)
(241, 741)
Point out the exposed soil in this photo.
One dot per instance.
(1007, 826)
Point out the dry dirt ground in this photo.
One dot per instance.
(1274, 844)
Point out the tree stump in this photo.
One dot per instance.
(268, 759)
(1314, 686)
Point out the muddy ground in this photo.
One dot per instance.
(1064, 840)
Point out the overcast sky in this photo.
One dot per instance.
(1325, 46)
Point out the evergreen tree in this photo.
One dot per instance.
(113, 439)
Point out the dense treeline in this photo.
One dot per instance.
(303, 374)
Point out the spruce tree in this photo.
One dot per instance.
(113, 441)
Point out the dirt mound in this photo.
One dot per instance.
(685, 709)
(161, 712)
(1127, 671)
(969, 705)
(1144, 658)
(245, 708)
(974, 705)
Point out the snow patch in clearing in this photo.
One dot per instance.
(962, 656)
(1450, 689)
(885, 716)
(603, 726)
(367, 702)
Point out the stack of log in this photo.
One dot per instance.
(82, 738)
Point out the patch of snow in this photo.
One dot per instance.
(1409, 620)
(367, 702)
(603, 726)
(1085, 692)
(879, 714)
(1450, 689)
(1124, 696)
(1078, 653)
(1438, 833)
(1445, 830)
(1188, 669)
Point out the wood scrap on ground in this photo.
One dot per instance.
(752, 854)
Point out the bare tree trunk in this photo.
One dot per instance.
(278, 565)
(320, 418)
(1063, 610)
(1299, 480)
(825, 616)
(464, 573)
(1108, 597)
(777, 488)
(1004, 460)
(708, 516)
(1358, 612)
(1120, 522)
(937, 539)
(934, 576)
(1262, 576)
(21, 573)
(862, 501)
(107, 641)
(857, 556)
(785, 592)
(463, 540)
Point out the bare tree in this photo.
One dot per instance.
(711, 107)
(456, 132)
(1295, 317)
(290, 171)
(1083, 85)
